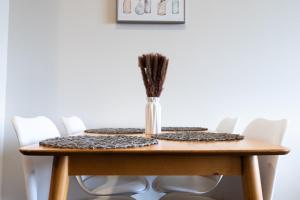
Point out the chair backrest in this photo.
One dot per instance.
(271, 131)
(73, 125)
(30, 131)
(227, 125)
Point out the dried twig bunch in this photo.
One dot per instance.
(154, 69)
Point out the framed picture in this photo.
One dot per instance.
(151, 11)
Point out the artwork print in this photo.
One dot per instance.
(151, 11)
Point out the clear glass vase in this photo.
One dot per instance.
(175, 6)
(153, 116)
(140, 7)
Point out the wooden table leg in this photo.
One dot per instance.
(251, 178)
(59, 179)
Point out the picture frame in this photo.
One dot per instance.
(151, 11)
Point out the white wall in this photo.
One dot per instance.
(4, 10)
(231, 58)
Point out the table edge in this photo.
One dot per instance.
(70, 152)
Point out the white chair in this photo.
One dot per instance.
(37, 170)
(105, 185)
(190, 187)
(227, 125)
(267, 131)
(73, 125)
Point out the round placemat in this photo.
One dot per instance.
(100, 142)
(140, 130)
(183, 128)
(198, 136)
(116, 131)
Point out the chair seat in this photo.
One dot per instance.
(188, 184)
(184, 196)
(116, 184)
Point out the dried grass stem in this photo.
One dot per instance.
(154, 68)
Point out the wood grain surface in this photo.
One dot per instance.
(243, 147)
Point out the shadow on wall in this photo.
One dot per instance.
(12, 169)
(31, 78)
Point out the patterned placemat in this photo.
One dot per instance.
(139, 130)
(98, 142)
(183, 129)
(198, 136)
(116, 131)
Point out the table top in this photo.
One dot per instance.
(242, 147)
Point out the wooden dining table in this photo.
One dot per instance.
(164, 159)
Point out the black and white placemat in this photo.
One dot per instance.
(198, 136)
(98, 142)
(170, 128)
(116, 131)
(140, 130)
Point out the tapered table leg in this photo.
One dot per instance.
(251, 178)
(59, 179)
